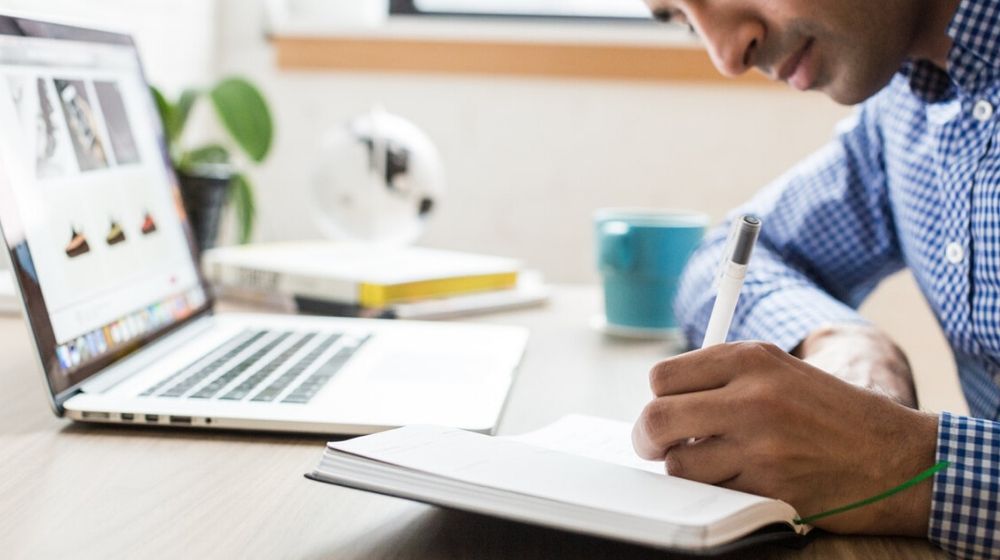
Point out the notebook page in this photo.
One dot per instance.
(590, 436)
(517, 467)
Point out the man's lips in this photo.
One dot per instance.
(788, 69)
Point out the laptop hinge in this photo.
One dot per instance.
(58, 400)
(148, 355)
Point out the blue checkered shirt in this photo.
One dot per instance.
(913, 180)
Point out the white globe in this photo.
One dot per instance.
(379, 179)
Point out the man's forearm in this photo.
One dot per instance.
(861, 355)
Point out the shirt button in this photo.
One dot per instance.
(982, 110)
(954, 253)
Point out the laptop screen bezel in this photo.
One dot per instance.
(60, 385)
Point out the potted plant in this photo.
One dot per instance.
(210, 175)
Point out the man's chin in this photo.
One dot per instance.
(847, 97)
(852, 93)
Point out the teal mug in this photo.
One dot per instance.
(641, 254)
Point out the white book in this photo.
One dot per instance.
(578, 474)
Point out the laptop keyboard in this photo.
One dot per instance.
(212, 388)
(263, 366)
(250, 383)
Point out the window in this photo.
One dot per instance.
(587, 9)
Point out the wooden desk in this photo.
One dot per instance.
(71, 490)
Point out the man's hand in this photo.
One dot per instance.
(770, 424)
(861, 355)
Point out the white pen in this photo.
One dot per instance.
(731, 274)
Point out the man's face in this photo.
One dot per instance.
(848, 49)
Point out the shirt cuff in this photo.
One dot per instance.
(965, 508)
(787, 316)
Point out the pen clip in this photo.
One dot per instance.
(727, 250)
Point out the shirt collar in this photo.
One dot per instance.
(975, 29)
(974, 58)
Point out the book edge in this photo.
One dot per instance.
(773, 532)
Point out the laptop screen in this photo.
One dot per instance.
(88, 204)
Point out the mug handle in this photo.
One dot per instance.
(614, 249)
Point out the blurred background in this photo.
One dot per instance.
(528, 155)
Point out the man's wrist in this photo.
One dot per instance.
(908, 512)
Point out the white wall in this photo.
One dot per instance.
(176, 38)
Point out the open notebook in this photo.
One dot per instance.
(578, 474)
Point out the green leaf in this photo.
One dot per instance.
(182, 110)
(166, 111)
(243, 204)
(244, 113)
(209, 154)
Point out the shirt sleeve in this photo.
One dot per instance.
(827, 239)
(965, 508)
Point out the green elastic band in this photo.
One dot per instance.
(912, 482)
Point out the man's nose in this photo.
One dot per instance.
(732, 39)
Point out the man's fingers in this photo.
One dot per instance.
(667, 421)
(712, 460)
(710, 368)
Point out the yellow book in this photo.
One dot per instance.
(377, 295)
(366, 275)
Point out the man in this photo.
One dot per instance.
(913, 181)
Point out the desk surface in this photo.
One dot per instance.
(77, 490)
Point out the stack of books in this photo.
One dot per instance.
(353, 279)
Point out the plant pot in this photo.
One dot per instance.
(205, 192)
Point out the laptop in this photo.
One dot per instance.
(121, 315)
